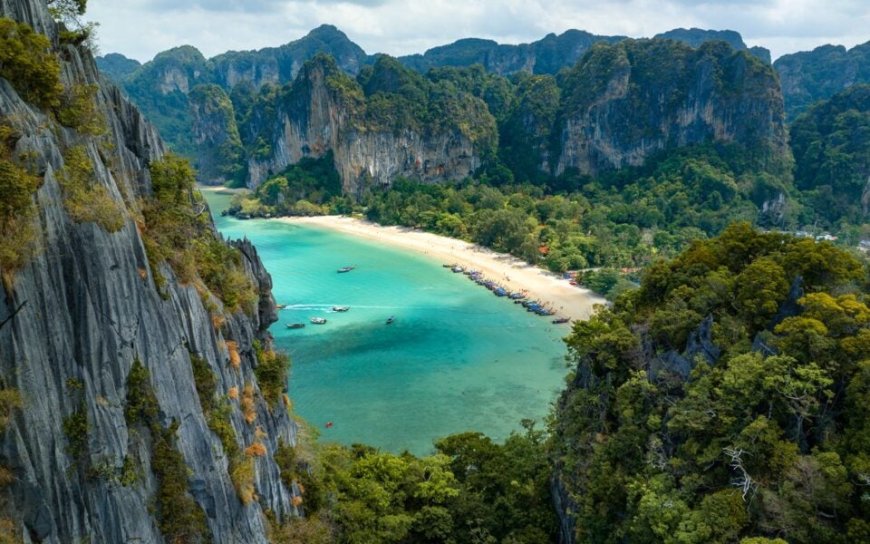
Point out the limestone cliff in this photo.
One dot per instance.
(696, 37)
(83, 309)
(810, 76)
(623, 103)
(545, 56)
(376, 134)
(215, 134)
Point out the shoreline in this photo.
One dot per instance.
(512, 273)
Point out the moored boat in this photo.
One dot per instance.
(560, 320)
(344, 269)
(318, 320)
(499, 292)
(295, 325)
(457, 269)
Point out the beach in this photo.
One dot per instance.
(512, 273)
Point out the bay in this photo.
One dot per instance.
(455, 359)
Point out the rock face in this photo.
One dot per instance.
(87, 307)
(545, 56)
(215, 135)
(279, 65)
(625, 102)
(324, 110)
(696, 37)
(810, 76)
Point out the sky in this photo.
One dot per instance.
(141, 28)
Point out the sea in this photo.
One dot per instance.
(456, 358)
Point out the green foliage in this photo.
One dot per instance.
(179, 233)
(607, 282)
(75, 425)
(272, 373)
(526, 136)
(85, 199)
(471, 490)
(752, 435)
(311, 180)
(10, 401)
(17, 185)
(811, 76)
(219, 153)
(79, 110)
(27, 62)
(179, 517)
(831, 144)
(398, 99)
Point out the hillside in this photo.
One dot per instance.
(831, 143)
(140, 395)
(163, 87)
(725, 399)
(810, 76)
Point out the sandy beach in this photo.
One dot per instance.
(514, 274)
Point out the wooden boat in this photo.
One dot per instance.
(560, 320)
(318, 320)
(295, 325)
(340, 308)
(344, 269)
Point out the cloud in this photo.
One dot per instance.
(141, 28)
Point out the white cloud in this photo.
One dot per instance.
(140, 29)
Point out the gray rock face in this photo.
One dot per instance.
(314, 119)
(698, 36)
(90, 309)
(810, 76)
(621, 106)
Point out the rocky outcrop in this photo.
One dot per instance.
(325, 110)
(810, 76)
(116, 66)
(545, 56)
(219, 152)
(278, 65)
(626, 102)
(78, 315)
(696, 37)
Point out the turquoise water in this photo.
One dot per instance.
(456, 358)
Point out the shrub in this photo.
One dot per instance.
(179, 517)
(233, 350)
(10, 401)
(79, 110)
(17, 185)
(257, 449)
(217, 413)
(27, 62)
(85, 199)
(249, 407)
(178, 230)
(242, 475)
(271, 373)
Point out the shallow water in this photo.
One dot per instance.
(456, 358)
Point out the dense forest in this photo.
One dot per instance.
(723, 401)
(726, 398)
